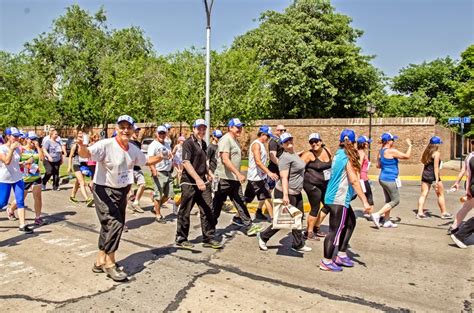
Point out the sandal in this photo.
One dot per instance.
(421, 216)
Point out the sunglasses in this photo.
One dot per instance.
(281, 130)
(313, 141)
(161, 133)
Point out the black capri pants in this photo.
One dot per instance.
(342, 222)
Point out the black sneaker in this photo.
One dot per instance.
(25, 230)
(184, 244)
(452, 231)
(260, 216)
(214, 244)
(237, 221)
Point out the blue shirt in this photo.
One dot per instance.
(389, 168)
(339, 190)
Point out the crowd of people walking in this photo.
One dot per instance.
(210, 174)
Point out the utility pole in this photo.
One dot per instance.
(207, 114)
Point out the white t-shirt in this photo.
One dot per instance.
(10, 173)
(156, 148)
(114, 166)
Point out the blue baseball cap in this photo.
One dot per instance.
(135, 127)
(388, 136)
(125, 118)
(349, 134)
(12, 131)
(22, 135)
(363, 139)
(32, 135)
(314, 136)
(235, 122)
(114, 134)
(267, 130)
(199, 122)
(285, 137)
(168, 126)
(435, 140)
(217, 133)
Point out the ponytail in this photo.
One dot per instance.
(351, 153)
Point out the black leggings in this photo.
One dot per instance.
(52, 169)
(315, 196)
(342, 222)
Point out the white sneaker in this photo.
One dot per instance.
(305, 248)
(389, 224)
(458, 242)
(376, 219)
(261, 244)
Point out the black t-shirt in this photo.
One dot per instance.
(211, 155)
(196, 154)
(274, 145)
(139, 146)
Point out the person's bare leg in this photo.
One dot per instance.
(21, 216)
(269, 206)
(110, 259)
(101, 256)
(140, 191)
(441, 200)
(75, 188)
(320, 218)
(311, 223)
(425, 189)
(37, 200)
(82, 183)
(461, 214)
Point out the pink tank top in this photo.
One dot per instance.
(364, 170)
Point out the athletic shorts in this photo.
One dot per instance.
(138, 177)
(77, 167)
(162, 186)
(257, 188)
(30, 184)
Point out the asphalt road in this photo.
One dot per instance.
(412, 268)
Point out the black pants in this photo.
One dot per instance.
(190, 195)
(466, 230)
(52, 169)
(110, 205)
(296, 201)
(342, 222)
(233, 190)
(316, 195)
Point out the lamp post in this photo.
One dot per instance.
(207, 115)
(371, 110)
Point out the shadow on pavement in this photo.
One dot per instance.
(139, 222)
(17, 239)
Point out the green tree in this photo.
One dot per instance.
(314, 66)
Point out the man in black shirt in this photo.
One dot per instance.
(196, 189)
(212, 150)
(138, 176)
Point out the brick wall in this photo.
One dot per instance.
(418, 129)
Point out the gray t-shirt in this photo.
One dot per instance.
(230, 145)
(54, 149)
(296, 166)
(156, 148)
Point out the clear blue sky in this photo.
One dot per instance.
(398, 32)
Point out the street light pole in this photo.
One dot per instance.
(207, 115)
(371, 110)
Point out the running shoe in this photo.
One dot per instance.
(253, 230)
(330, 266)
(261, 244)
(40, 222)
(25, 230)
(160, 220)
(260, 216)
(304, 248)
(422, 217)
(447, 216)
(452, 230)
(458, 242)
(116, 273)
(317, 231)
(389, 224)
(73, 199)
(90, 202)
(214, 244)
(310, 236)
(228, 208)
(344, 261)
(184, 244)
(237, 221)
(136, 207)
(43, 187)
(375, 219)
